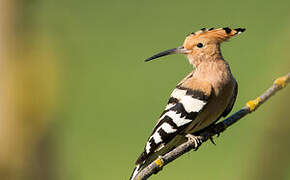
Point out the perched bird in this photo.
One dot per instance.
(199, 100)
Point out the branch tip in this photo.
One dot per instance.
(281, 81)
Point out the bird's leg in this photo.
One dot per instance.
(211, 128)
(195, 139)
(215, 129)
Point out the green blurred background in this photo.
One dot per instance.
(85, 101)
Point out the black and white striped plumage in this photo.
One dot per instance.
(183, 107)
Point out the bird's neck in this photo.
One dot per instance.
(205, 58)
(215, 71)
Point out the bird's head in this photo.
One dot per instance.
(203, 44)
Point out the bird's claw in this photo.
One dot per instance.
(215, 130)
(218, 134)
(211, 140)
(195, 139)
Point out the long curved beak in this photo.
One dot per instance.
(178, 50)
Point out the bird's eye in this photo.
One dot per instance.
(199, 45)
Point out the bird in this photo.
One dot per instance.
(204, 96)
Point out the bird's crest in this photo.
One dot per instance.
(220, 34)
(211, 35)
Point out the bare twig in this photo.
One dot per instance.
(251, 106)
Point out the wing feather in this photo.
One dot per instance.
(182, 109)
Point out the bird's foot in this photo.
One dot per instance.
(211, 140)
(212, 129)
(215, 129)
(195, 139)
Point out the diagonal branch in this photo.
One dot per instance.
(251, 106)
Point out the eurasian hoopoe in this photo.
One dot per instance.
(199, 100)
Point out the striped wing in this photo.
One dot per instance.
(183, 107)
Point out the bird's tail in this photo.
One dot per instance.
(137, 169)
(144, 159)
